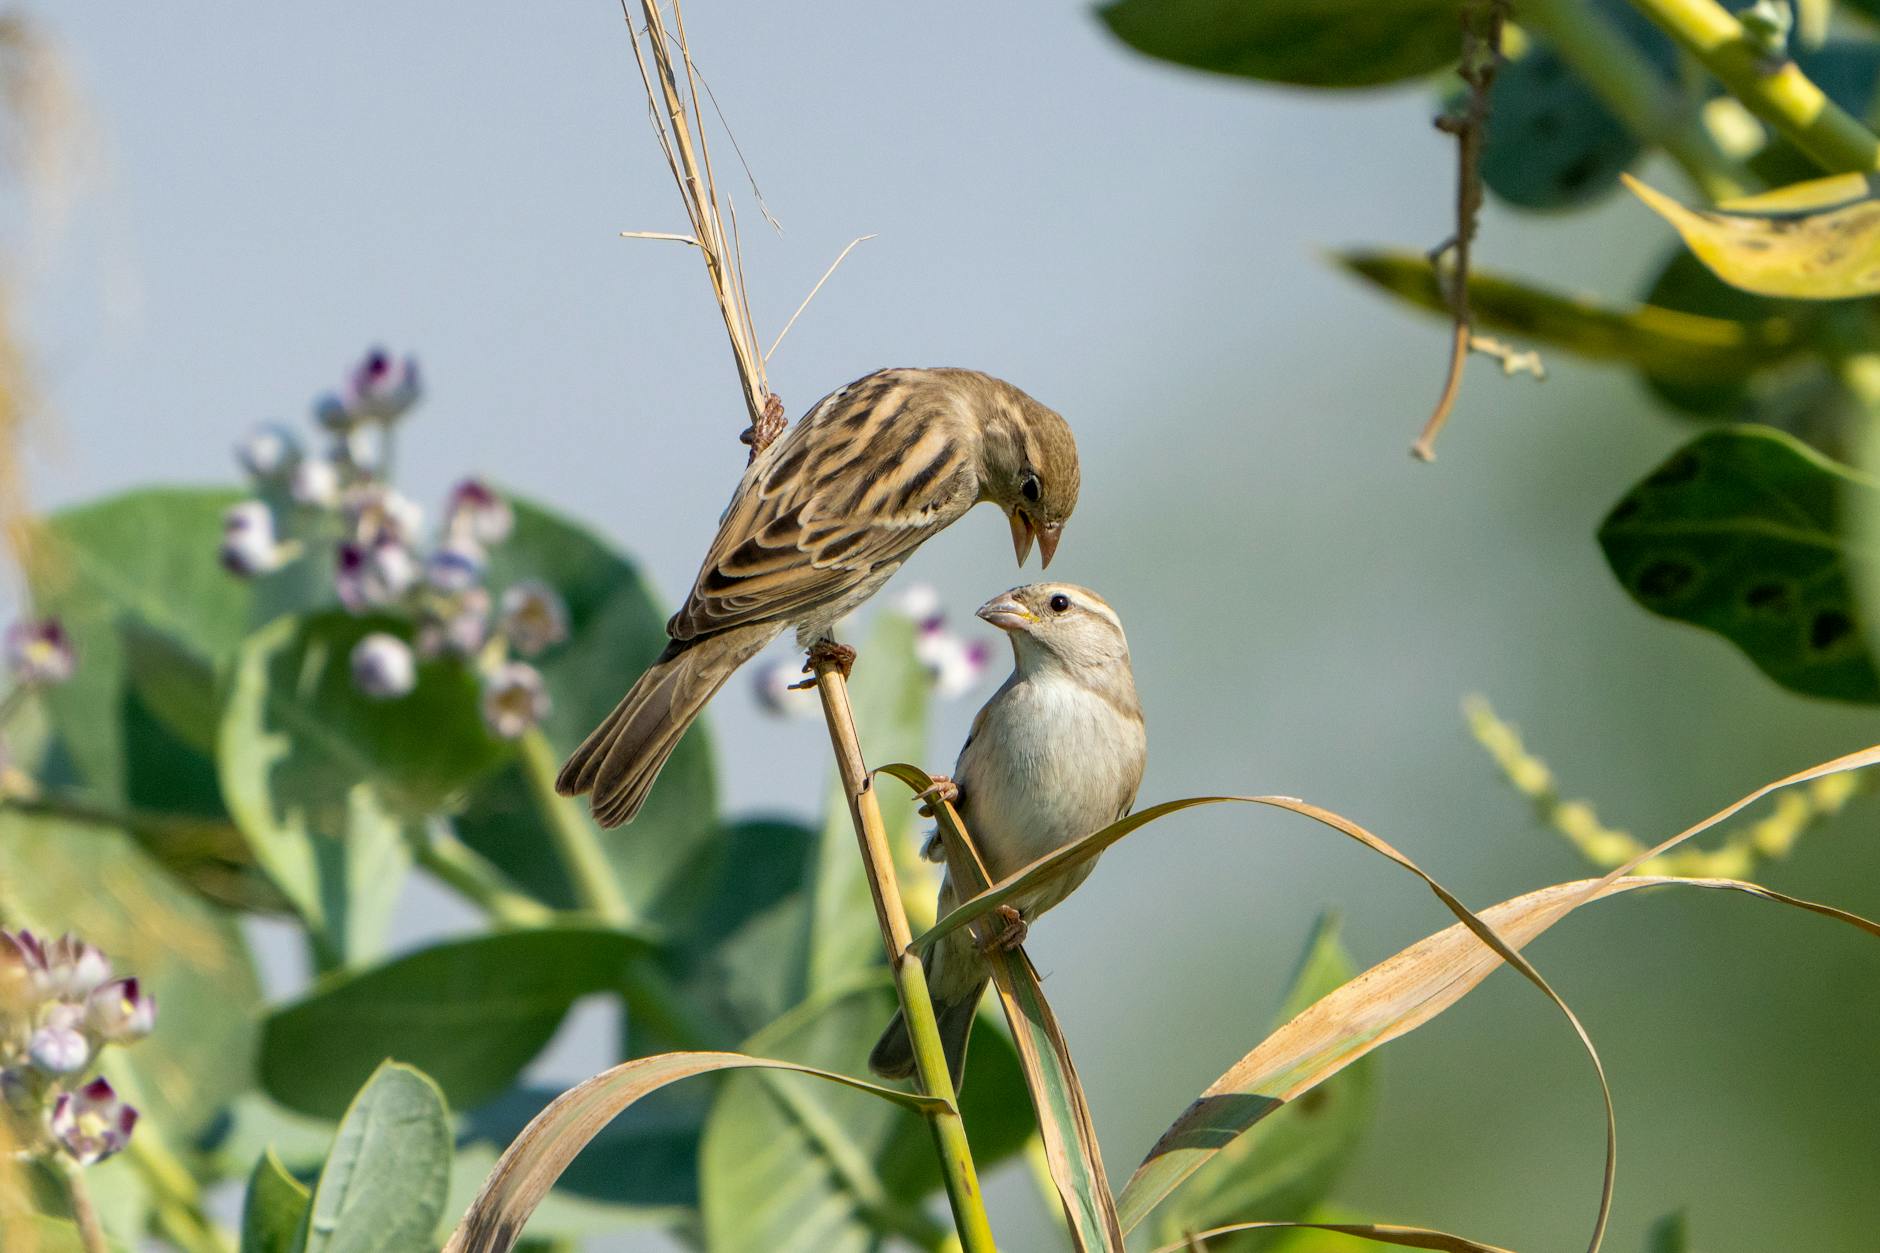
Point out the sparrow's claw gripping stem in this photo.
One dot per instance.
(943, 789)
(826, 650)
(1013, 933)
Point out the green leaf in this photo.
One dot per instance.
(787, 1165)
(615, 628)
(275, 1209)
(1552, 143)
(61, 875)
(1741, 532)
(746, 957)
(143, 566)
(889, 690)
(1313, 43)
(1671, 344)
(320, 777)
(1670, 1234)
(1748, 389)
(1762, 245)
(1286, 1164)
(383, 1185)
(472, 1013)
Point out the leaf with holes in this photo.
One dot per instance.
(1741, 532)
(1313, 43)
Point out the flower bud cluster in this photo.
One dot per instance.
(59, 1008)
(383, 560)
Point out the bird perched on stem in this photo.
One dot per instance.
(821, 519)
(1056, 754)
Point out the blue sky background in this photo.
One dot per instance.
(272, 188)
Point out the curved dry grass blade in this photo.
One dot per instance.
(1391, 999)
(1381, 1233)
(531, 1165)
(1064, 1123)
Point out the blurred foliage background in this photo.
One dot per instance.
(1142, 248)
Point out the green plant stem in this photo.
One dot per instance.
(472, 875)
(910, 979)
(84, 1213)
(577, 843)
(1772, 88)
(1630, 85)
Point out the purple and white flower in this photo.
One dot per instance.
(383, 667)
(535, 617)
(268, 452)
(375, 575)
(476, 511)
(382, 387)
(315, 483)
(70, 968)
(249, 545)
(514, 699)
(59, 1046)
(459, 628)
(375, 511)
(456, 565)
(776, 694)
(120, 1011)
(92, 1123)
(39, 654)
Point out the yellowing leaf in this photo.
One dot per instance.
(1811, 254)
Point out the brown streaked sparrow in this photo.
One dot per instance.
(821, 519)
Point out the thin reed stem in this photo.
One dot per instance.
(910, 978)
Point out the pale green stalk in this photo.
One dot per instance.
(1627, 82)
(910, 978)
(1773, 88)
(577, 843)
(472, 875)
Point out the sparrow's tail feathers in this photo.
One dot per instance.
(623, 755)
(893, 1055)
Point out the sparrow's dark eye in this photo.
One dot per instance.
(1060, 602)
(1031, 488)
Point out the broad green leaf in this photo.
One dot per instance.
(1551, 142)
(785, 1165)
(1682, 346)
(58, 875)
(382, 1188)
(471, 1013)
(143, 563)
(1288, 1162)
(321, 778)
(553, 1139)
(615, 628)
(275, 1208)
(747, 954)
(1821, 254)
(1670, 1234)
(1313, 43)
(889, 689)
(1741, 532)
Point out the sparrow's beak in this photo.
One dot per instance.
(1048, 541)
(1022, 534)
(1007, 614)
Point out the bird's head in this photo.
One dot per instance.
(1058, 622)
(1028, 469)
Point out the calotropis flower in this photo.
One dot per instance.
(39, 654)
(92, 1123)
